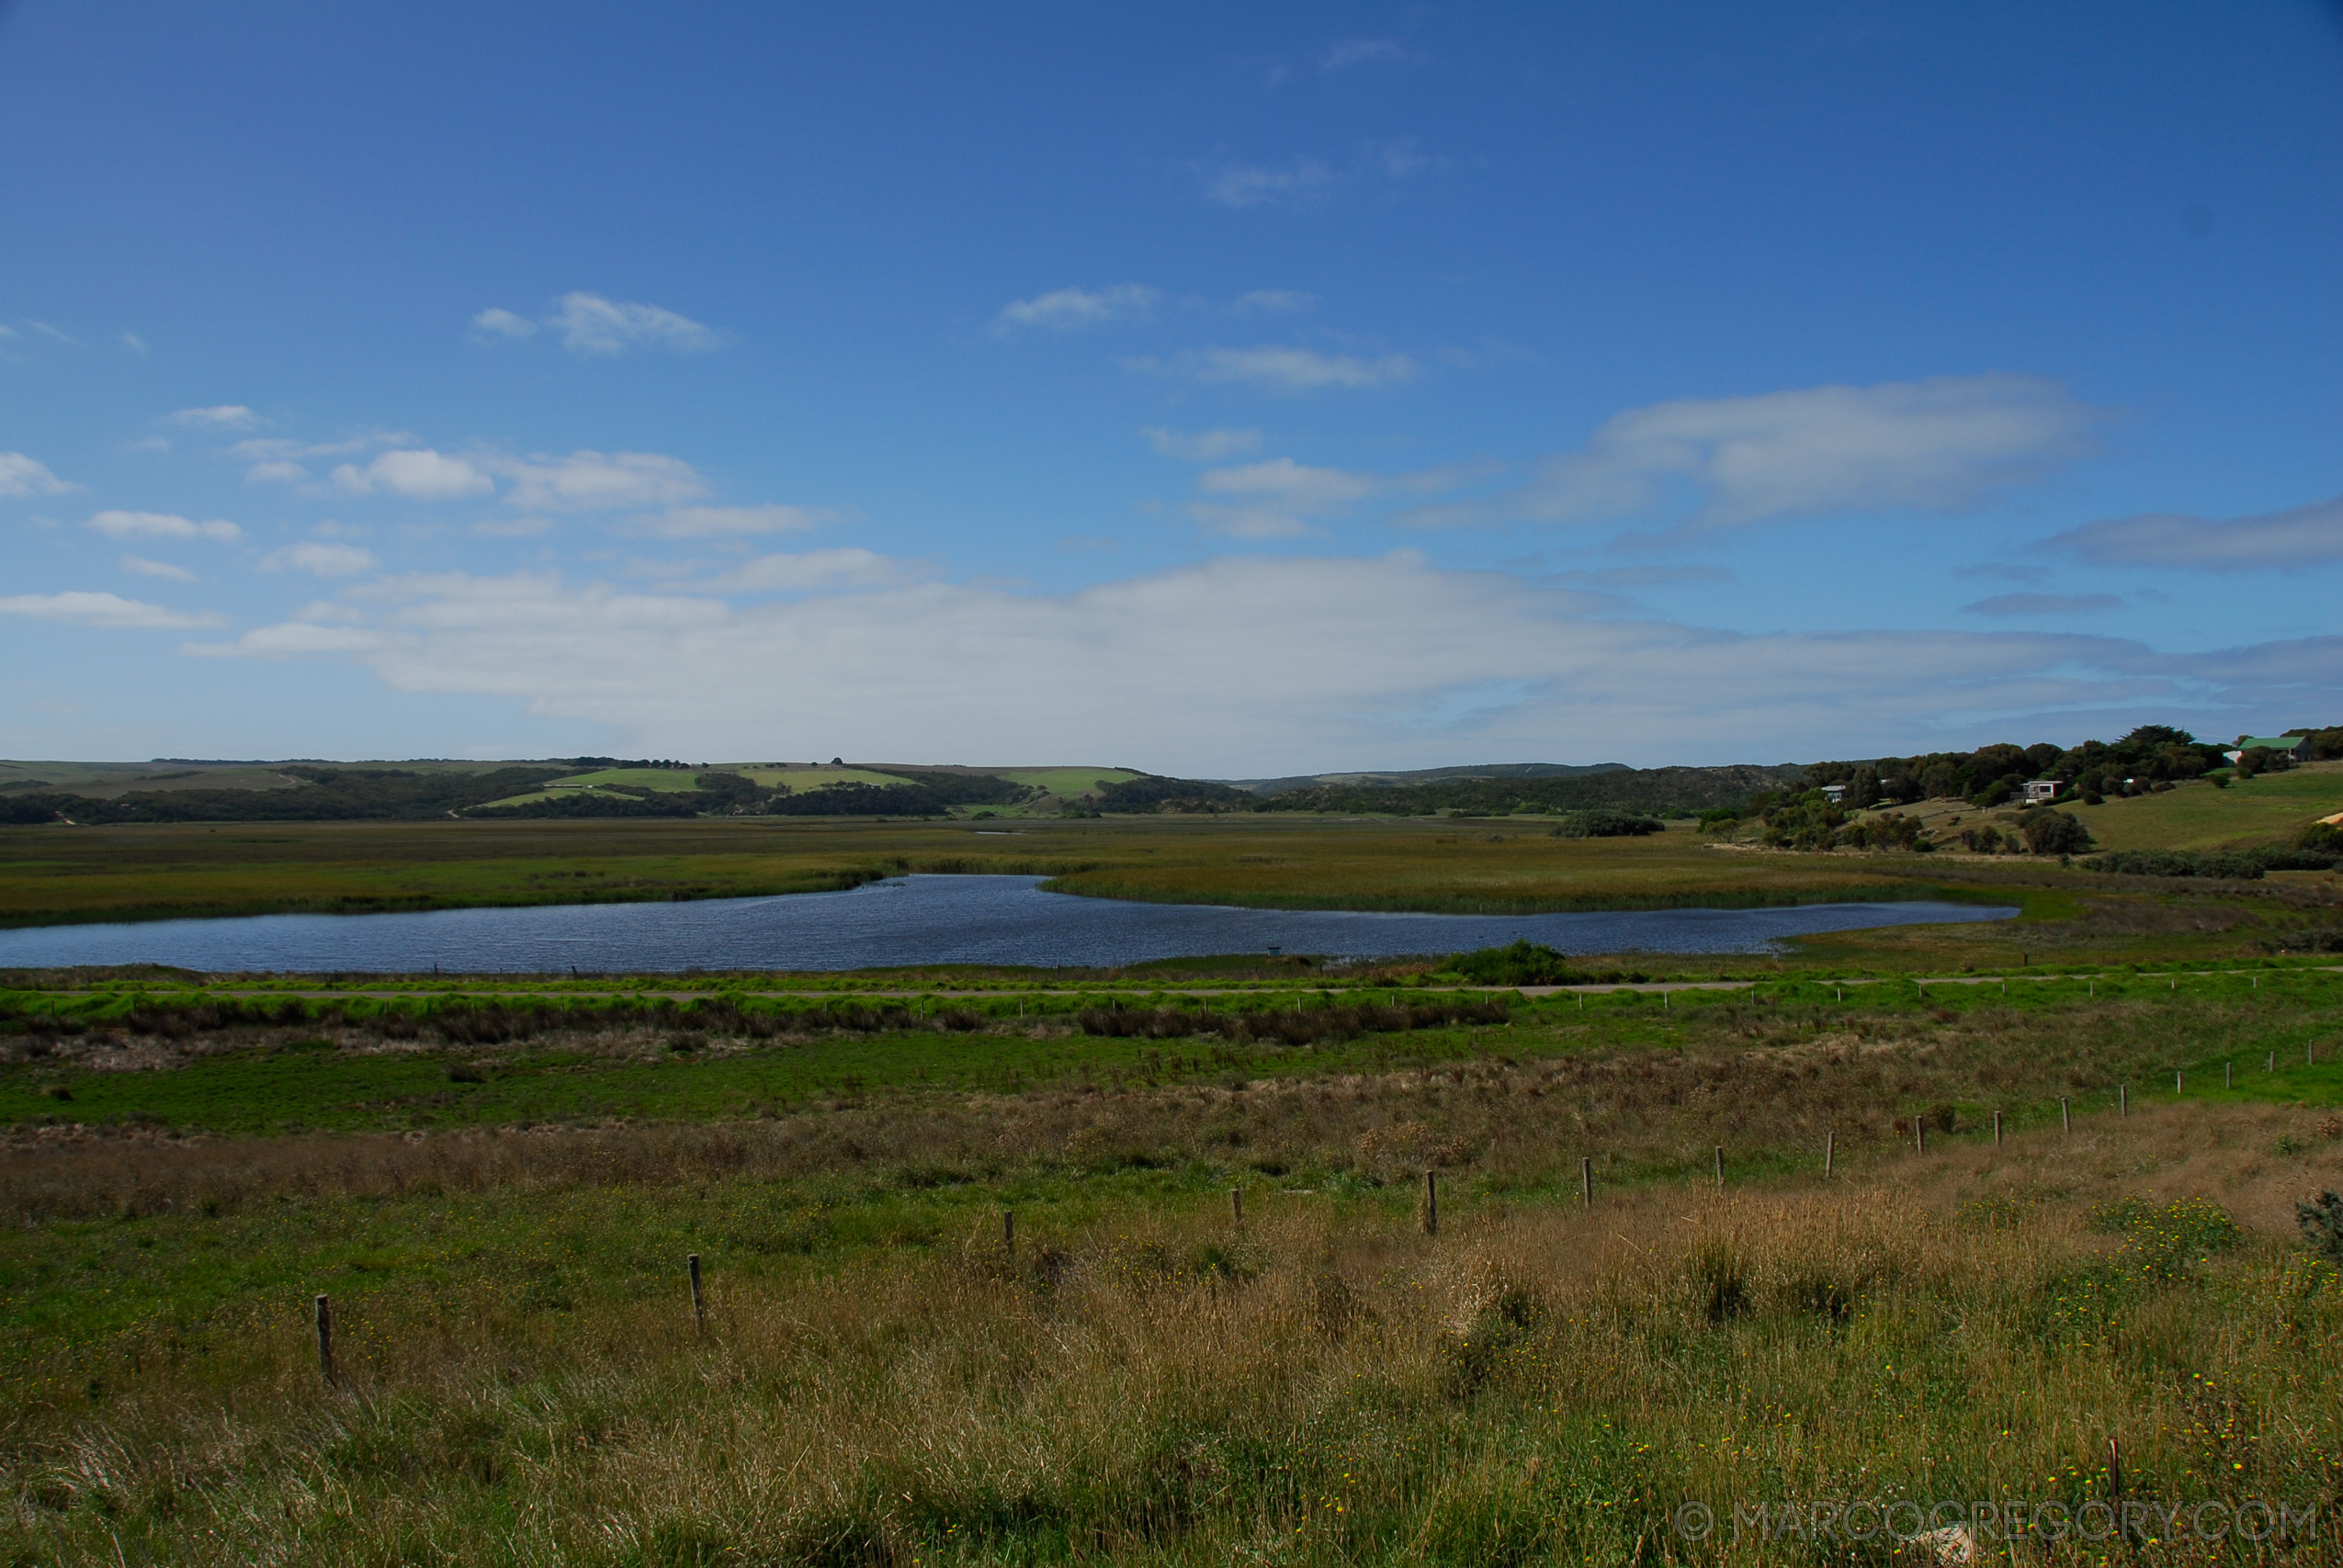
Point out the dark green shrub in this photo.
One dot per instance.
(2322, 1225)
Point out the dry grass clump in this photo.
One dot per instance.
(1317, 1383)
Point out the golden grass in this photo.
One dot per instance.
(1322, 1384)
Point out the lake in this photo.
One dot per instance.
(907, 920)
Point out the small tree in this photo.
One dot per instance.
(2049, 832)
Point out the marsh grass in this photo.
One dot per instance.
(1151, 1382)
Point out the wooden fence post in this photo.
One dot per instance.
(1430, 1203)
(326, 1340)
(2228, 1078)
(2066, 1116)
(1586, 1180)
(1829, 1151)
(699, 1301)
(1009, 1233)
(2122, 1100)
(1237, 1205)
(1720, 1166)
(1920, 1133)
(1997, 1129)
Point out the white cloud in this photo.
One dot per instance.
(1262, 185)
(708, 522)
(145, 567)
(220, 416)
(1065, 309)
(493, 322)
(275, 473)
(1361, 52)
(134, 343)
(2300, 535)
(1255, 665)
(1940, 445)
(1201, 446)
(1272, 301)
(1285, 368)
(589, 325)
(513, 527)
(2008, 607)
(598, 482)
(106, 609)
(162, 525)
(423, 475)
(21, 476)
(321, 559)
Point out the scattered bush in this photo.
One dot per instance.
(2322, 1225)
(1608, 825)
(1525, 963)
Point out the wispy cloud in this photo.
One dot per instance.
(1201, 446)
(592, 326)
(817, 571)
(716, 521)
(421, 474)
(162, 525)
(1264, 185)
(278, 459)
(494, 323)
(1281, 499)
(321, 559)
(22, 476)
(109, 610)
(1304, 181)
(142, 567)
(1283, 367)
(1940, 445)
(293, 639)
(1357, 52)
(2300, 535)
(1068, 310)
(1272, 301)
(598, 482)
(1646, 576)
(2011, 606)
(220, 416)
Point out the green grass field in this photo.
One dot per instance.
(2270, 809)
(1067, 783)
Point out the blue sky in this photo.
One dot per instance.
(1226, 390)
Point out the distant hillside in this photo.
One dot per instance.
(1663, 791)
(1405, 777)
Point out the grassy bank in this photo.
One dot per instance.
(1145, 1378)
(500, 1207)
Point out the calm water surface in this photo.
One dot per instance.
(907, 920)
